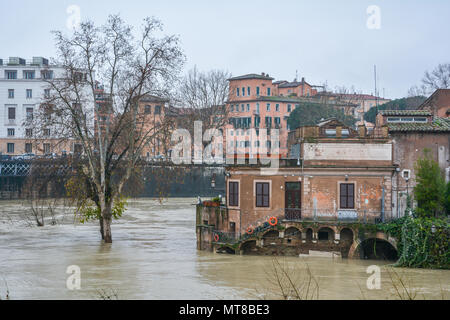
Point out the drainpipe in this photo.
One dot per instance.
(382, 205)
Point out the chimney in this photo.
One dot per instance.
(263, 74)
(303, 79)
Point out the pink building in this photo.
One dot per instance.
(256, 102)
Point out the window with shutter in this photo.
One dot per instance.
(262, 194)
(347, 196)
(233, 194)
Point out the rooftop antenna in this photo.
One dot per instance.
(376, 95)
(296, 75)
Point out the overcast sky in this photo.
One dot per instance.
(324, 40)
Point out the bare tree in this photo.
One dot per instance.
(350, 101)
(112, 136)
(439, 78)
(288, 282)
(43, 189)
(203, 96)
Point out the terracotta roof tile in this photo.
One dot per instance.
(438, 125)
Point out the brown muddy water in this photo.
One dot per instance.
(154, 256)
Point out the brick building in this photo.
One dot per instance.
(340, 174)
(438, 103)
(413, 131)
(257, 102)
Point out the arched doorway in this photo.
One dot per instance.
(377, 249)
(271, 238)
(346, 235)
(293, 232)
(325, 234)
(309, 234)
(249, 247)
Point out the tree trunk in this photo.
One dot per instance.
(101, 228)
(106, 218)
(107, 237)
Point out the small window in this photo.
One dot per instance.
(29, 132)
(288, 108)
(233, 194)
(268, 107)
(147, 109)
(257, 91)
(46, 132)
(29, 93)
(10, 148)
(406, 174)
(28, 148)
(11, 74)
(243, 91)
(232, 108)
(347, 196)
(47, 74)
(28, 74)
(248, 107)
(237, 92)
(248, 91)
(11, 132)
(268, 91)
(29, 112)
(157, 109)
(277, 107)
(77, 148)
(46, 93)
(11, 113)
(46, 148)
(262, 194)
(11, 93)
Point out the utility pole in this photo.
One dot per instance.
(376, 95)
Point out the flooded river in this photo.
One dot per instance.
(154, 256)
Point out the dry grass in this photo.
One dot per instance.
(289, 282)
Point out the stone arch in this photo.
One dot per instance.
(271, 234)
(225, 249)
(346, 234)
(325, 233)
(377, 247)
(293, 232)
(248, 247)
